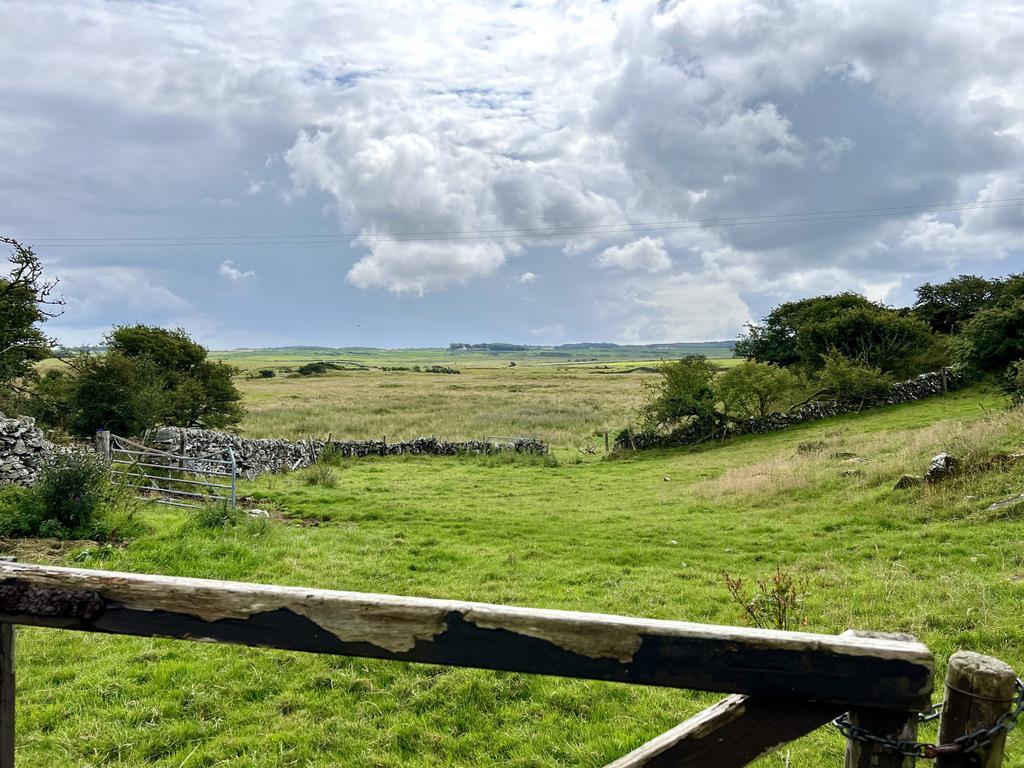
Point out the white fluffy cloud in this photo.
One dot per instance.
(91, 291)
(646, 254)
(681, 308)
(526, 277)
(230, 270)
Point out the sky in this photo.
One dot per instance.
(242, 169)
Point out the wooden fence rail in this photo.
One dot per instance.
(788, 683)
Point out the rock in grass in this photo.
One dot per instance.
(1006, 503)
(942, 466)
(907, 481)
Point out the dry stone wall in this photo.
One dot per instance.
(918, 388)
(257, 456)
(23, 450)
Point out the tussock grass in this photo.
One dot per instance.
(981, 445)
(559, 405)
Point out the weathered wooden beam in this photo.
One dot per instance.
(896, 726)
(823, 668)
(734, 732)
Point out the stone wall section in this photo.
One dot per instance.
(257, 456)
(918, 388)
(23, 450)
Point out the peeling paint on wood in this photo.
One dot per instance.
(880, 672)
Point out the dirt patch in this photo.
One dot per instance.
(44, 551)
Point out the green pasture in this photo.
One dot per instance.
(646, 535)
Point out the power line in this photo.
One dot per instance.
(524, 233)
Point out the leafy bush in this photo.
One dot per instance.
(1015, 382)
(993, 339)
(776, 602)
(148, 376)
(69, 491)
(686, 391)
(754, 389)
(73, 498)
(317, 368)
(851, 380)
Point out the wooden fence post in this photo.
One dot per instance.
(103, 443)
(978, 690)
(6, 691)
(898, 726)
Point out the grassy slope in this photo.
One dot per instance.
(645, 536)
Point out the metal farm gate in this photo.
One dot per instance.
(169, 478)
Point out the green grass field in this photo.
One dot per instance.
(646, 535)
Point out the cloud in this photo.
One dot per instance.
(526, 277)
(418, 268)
(425, 198)
(646, 254)
(494, 122)
(683, 307)
(230, 270)
(95, 291)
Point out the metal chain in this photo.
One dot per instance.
(969, 742)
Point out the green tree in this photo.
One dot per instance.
(114, 392)
(945, 307)
(993, 339)
(26, 301)
(197, 392)
(753, 389)
(169, 350)
(147, 377)
(686, 391)
(776, 338)
(877, 336)
(799, 333)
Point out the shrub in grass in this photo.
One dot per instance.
(216, 515)
(73, 498)
(70, 489)
(330, 456)
(17, 513)
(322, 475)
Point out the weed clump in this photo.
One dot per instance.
(320, 474)
(776, 602)
(215, 515)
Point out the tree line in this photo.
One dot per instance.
(846, 347)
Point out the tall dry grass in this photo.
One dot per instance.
(875, 458)
(565, 407)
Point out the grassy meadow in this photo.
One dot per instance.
(648, 534)
(567, 399)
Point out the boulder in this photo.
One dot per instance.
(942, 466)
(907, 481)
